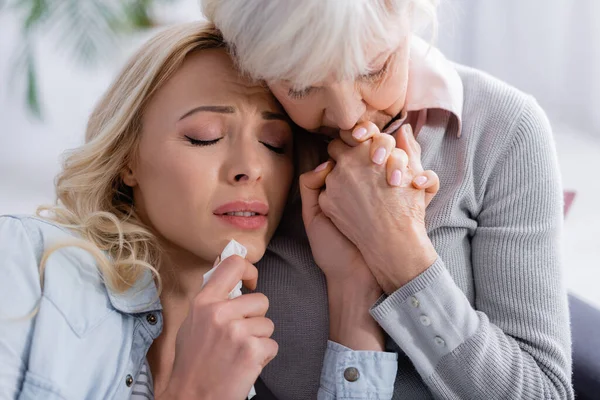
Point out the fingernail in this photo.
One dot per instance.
(396, 178)
(322, 166)
(216, 261)
(379, 156)
(359, 133)
(407, 129)
(421, 180)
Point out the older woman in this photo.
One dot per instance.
(475, 304)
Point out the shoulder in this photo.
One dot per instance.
(491, 102)
(69, 276)
(498, 117)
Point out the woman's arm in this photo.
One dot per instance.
(355, 365)
(516, 343)
(19, 296)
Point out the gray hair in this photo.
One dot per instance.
(306, 41)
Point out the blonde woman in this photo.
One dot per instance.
(476, 305)
(100, 295)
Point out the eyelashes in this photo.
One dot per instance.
(377, 75)
(202, 143)
(299, 94)
(205, 143)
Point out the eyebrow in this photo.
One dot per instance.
(266, 115)
(214, 109)
(269, 116)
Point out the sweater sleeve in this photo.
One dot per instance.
(514, 341)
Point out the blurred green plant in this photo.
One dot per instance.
(85, 29)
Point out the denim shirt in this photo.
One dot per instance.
(88, 342)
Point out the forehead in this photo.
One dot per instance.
(210, 77)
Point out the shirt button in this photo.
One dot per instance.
(151, 318)
(439, 341)
(414, 302)
(351, 374)
(425, 320)
(129, 380)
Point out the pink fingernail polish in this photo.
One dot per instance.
(322, 166)
(379, 156)
(359, 133)
(396, 178)
(421, 180)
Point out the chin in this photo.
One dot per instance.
(256, 246)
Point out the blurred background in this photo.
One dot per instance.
(58, 56)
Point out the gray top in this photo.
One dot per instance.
(489, 318)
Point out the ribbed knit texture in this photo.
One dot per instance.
(496, 225)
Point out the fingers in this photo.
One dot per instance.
(406, 141)
(311, 184)
(381, 148)
(248, 305)
(228, 274)
(362, 132)
(269, 349)
(260, 327)
(396, 167)
(428, 181)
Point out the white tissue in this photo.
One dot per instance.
(232, 248)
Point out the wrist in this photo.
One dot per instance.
(350, 323)
(406, 256)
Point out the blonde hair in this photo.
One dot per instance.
(306, 41)
(92, 199)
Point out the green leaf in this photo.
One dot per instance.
(33, 100)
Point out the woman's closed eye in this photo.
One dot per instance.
(300, 94)
(375, 76)
(274, 148)
(198, 142)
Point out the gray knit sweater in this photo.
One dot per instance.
(489, 319)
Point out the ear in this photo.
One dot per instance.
(128, 177)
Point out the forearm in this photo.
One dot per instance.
(458, 350)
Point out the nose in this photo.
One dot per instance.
(244, 165)
(345, 105)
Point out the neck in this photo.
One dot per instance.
(182, 277)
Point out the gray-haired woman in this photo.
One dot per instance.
(474, 301)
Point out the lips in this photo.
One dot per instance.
(237, 207)
(247, 215)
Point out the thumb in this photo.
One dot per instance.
(311, 184)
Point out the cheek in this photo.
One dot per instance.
(388, 92)
(172, 187)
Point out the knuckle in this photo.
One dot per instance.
(216, 314)
(235, 331)
(250, 349)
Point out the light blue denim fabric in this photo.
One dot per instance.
(87, 342)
